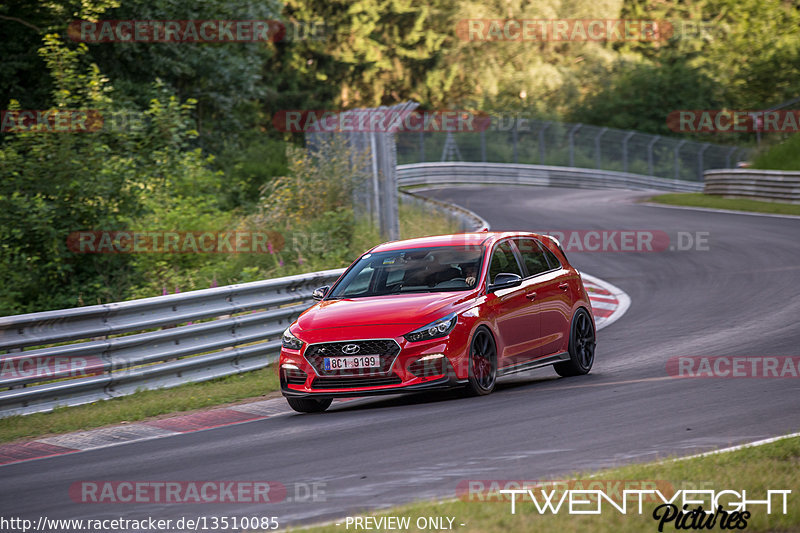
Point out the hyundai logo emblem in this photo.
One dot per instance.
(350, 349)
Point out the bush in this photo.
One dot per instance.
(782, 156)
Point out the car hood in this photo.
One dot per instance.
(398, 309)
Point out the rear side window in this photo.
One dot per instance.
(503, 261)
(533, 256)
(551, 258)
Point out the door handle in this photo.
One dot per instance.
(530, 296)
(563, 286)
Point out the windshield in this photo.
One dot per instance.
(442, 268)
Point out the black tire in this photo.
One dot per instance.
(308, 405)
(581, 346)
(482, 363)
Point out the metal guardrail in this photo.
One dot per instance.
(525, 140)
(541, 175)
(146, 344)
(771, 185)
(75, 356)
(468, 220)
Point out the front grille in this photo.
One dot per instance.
(351, 383)
(387, 349)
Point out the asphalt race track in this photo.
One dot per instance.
(738, 297)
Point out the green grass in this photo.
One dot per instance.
(698, 199)
(756, 470)
(414, 222)
(142, 405)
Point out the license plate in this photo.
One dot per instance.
(349, 363)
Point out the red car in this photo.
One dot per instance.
(439, 312)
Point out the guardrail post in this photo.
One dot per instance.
(514, 140)
(571, 137)
(625, 150)
(730, 156)
(650, 154)
(541, 141)
(700, 164)
(677, 159)
(483, 146)
(376, 202)
(597, 160)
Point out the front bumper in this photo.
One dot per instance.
(444, 383)
(299, 378)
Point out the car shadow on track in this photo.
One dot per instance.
(510, 383)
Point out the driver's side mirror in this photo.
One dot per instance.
(504, 281)
(320, 292)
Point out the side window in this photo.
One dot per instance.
(503, 261)
(551, 258)
(533, 256)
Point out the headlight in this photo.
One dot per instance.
(290, 341)
(437, 328)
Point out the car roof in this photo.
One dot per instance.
(456, 239)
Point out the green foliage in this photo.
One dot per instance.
(224, 78)
(749, 49)
(377, 51)
(249, 162)
(722, 54)
(150, 174)
(25, 76)
(641, 95)
(782, 156)
(54, 184)
(320, 181)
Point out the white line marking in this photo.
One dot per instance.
(726, 211)
(596, 304)
(624, 300)
(602, 297)
(110, 436)
(735, 448)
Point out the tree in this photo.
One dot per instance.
(53, 184)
